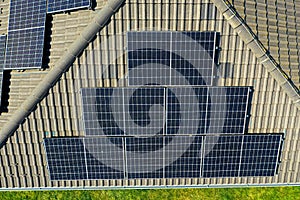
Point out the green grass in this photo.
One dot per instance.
(263, 193)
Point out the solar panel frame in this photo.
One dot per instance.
(148, 47)
(56, 6)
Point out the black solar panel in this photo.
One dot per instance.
(66, 5)
(123, 111)
(241, 155)
(66, 158)
(26, 29)
(152, 111)
(260, 155)
(162, 157)
(171, 58)
(222, 156)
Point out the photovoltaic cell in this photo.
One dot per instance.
(171, 58)
(241, 155)
(66, 158)
(162, 157)
(222, 156)
(123, 111)
(66, 5)
(105, 157)
(26, 29)
(227, 109)
(260, 155)
(25, 49)
(27, 14)
(158, 110)
(183, 157)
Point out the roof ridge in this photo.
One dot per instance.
(61, 66)
(255, 45)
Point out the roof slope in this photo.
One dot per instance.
(22, 160)
(277, 26)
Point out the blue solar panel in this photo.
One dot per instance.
(26, 29)
(66, 5)
(25, 49)
(171, 58)
(27, 14)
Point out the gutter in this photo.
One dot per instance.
(258, 49)
(62, 65)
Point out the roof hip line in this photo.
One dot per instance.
(62, 65)
(258, 49)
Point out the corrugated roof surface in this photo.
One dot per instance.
(276, 23)
(22, 160)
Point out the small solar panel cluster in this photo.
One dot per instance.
(26, 30)
(171, 122)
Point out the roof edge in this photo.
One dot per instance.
(62, 65)
(258, 49)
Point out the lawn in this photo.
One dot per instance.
(273, 193)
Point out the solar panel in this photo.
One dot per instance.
(162, 157)
(119, 111)
(2, 57)
(66, 158)
(105, 157)
(144, 157)
(222, 156)
(183, 156)
(207, 110)
(260, 155)
(66, 5)
(27, 14)
(152, 111)
(26, 29)
(241, 155)
(171, 58)
(24, 49)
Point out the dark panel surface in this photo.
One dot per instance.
(66, 5)
(66, 158)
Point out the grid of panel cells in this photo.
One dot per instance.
(2, 57)
(162, 157)
(171, 58)
(164, 111)
(67, 5)
(26, 29)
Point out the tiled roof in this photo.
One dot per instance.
(22, 161)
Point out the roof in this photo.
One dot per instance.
(23, 162)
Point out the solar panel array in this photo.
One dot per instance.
(2, 58)
(171, 58)
(162, 157)
(66, 5)
(153, 111)
(26, 31)
(170, 123)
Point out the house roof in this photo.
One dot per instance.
(274, 105)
